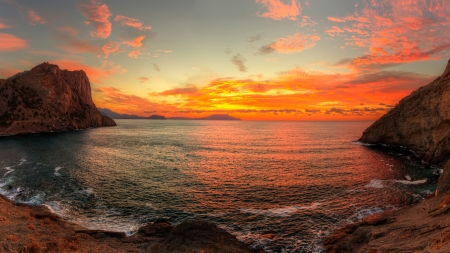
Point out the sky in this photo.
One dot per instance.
(252, 59)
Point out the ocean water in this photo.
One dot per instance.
(281, 186)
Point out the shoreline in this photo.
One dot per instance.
(28, 228)
(421, 227)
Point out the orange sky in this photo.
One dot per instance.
(255, 59)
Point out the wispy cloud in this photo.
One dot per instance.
(156, 67)
(277, 10)
(4, 26)
(136, 42)
(143, 79)
(110, 47)
(291, 44)
(239, 61)
(35, 19)
(98, 15)
(11, 43)
(132, 22)
(74, 45)
(254, 38)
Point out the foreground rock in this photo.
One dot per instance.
(420, 122)
(26, 228)
(48, 99)
(422, 228)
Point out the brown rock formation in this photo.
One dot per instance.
(48, 99)
(420, 122)
(26, 228)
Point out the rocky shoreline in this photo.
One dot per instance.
(421, 123)
(26, 228)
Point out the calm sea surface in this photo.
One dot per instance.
(281, 186)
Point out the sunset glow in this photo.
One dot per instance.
(253, 59)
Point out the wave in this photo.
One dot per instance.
(57, 171)
(363, 144)
(280, 212)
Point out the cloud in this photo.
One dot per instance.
(306, 21)
(11, 43)
(136, 53)
(110, 47)
(278, 10)
(254, 38)
(98, 15)
(121, 102)
(35, 19)
(239, 61)
(294, 91)
(156, 67)
(395, 32)
(295, 43)
(136, 42)
(132, 22)
(75, 45)
(4, 26)
(143, 79)
(69, 30)
(267, 49)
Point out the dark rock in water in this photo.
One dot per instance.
(420, 122)
(47, 99)
(201, 236)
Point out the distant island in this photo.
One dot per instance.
(211, 117)
(115, 115)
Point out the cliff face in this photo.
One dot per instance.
(420, 122)
(48, 99)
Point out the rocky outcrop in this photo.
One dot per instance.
(26, 228)
(47, 98)
(420, 122)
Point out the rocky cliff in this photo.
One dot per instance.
(420, 122)
(47, 98)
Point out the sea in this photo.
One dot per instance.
(278, 186)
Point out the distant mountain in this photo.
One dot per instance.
(211, 117)
(154, 116)
(115, 115)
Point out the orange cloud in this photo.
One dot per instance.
(97, 14)
(110, 47)
(121, 102)
(35, 19)
(278, 10)
(294, 43)
(3, 26)
(296, 94)
(396, 32)
(132, 22)
(69, 30)
(11, 43)
(136, 42)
